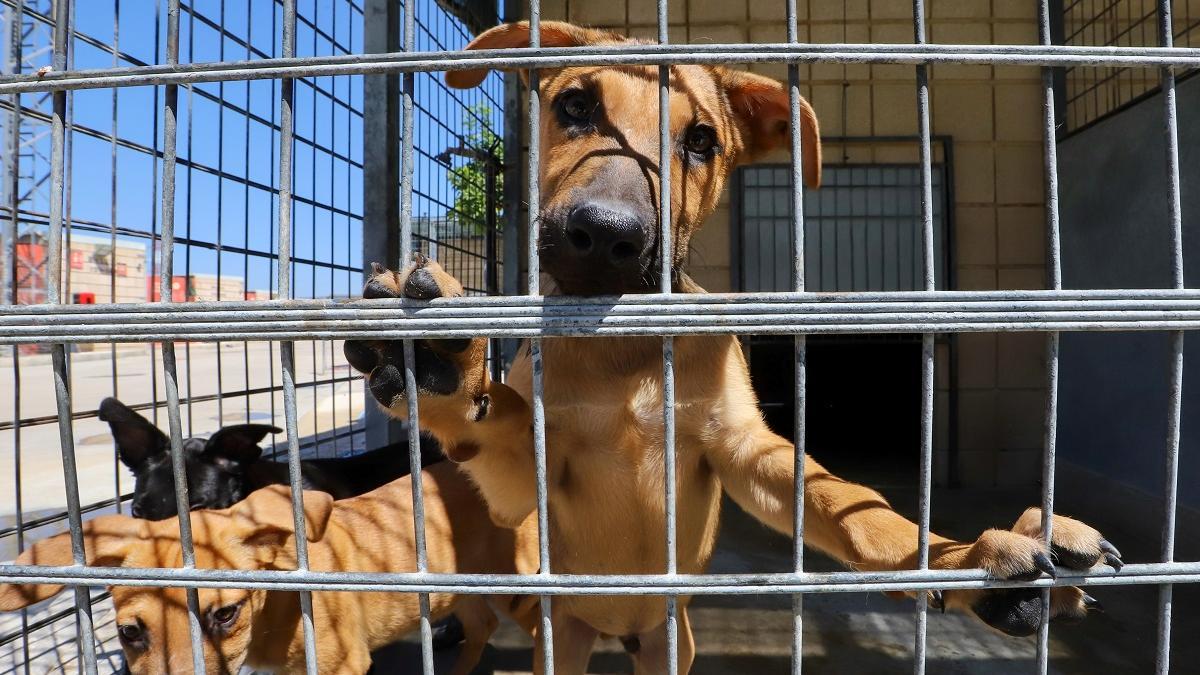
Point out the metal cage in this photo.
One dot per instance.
(797, 313)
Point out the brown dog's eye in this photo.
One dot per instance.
(577, 106)
(700, 140)
(221, 620)
(131, 634)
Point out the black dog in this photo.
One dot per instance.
(227, 467)
(224, 469)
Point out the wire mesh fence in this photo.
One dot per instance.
(227, 140)
(295, 82)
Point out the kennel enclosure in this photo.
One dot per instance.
(391, 103)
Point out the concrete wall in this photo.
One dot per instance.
(1116, 235)
(992, 114)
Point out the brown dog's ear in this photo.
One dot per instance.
(515, 35)
(762, 105)
(268, 513)
(107, 541)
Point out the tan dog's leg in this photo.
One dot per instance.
(856, 525)
(473, 417)
(479, 622)
(651, 656)
(574, 641)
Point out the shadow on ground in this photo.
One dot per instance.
(867, 633)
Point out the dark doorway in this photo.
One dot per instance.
(863, 401)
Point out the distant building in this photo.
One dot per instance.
(199, 288)
(93, 271)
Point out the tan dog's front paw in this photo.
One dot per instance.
(447, 372)
(1016, 556)
(1074, 544)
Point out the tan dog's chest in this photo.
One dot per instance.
(605, 462)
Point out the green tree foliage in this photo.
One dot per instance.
(470, 180)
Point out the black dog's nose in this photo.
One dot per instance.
(135, 510)
(605, 232)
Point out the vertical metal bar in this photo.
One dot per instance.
(667, 253)
(380, 129)
(246, 209)
(410, 381)
(316, 448)
(221, 103)
(801, 341)
(62, 393)
(155, 237)
(1054, 277)
(1175, 404)
(534, 116)
(187, 217)
(927, 345)
(170, 371)
(287, 354)
(68, 162)
(12, 178)
(112, 238)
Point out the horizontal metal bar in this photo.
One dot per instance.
(637, 303)
(580, 584)
(607, 55)
(769, 313)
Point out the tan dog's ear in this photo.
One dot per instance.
(762, 105)
(268, 513)
(107, 541)
(515, 35)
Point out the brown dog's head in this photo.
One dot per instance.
(152, 623)
(599, 229)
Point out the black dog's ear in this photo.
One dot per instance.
(238, 443)
(137, 439)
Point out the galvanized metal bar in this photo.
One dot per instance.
(220, 205)
(800, 341)
(381, 166)
(114, 371)
(408, 31)
(609, 55)
(688, 319)
(784, 583)
(1054, 278)
(533, 168)
(666, 248)
(644, 304)
(925, 479)
(287, 355)
(166, 271)
(86, 637)
(9, 279)
(1175, 396)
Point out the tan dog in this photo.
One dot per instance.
(603, 396)
(262, 629)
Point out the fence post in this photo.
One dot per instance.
(381, 161)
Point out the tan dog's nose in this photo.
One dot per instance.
(605, 235)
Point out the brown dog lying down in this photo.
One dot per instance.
(598, 229)
(262, 629)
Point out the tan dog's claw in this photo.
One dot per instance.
(1044, 564)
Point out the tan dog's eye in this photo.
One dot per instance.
(132, 635)
(700, 140)
(221, 620)
(576, 106)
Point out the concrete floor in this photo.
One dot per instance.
(868, 633)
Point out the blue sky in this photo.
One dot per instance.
(227, 198)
